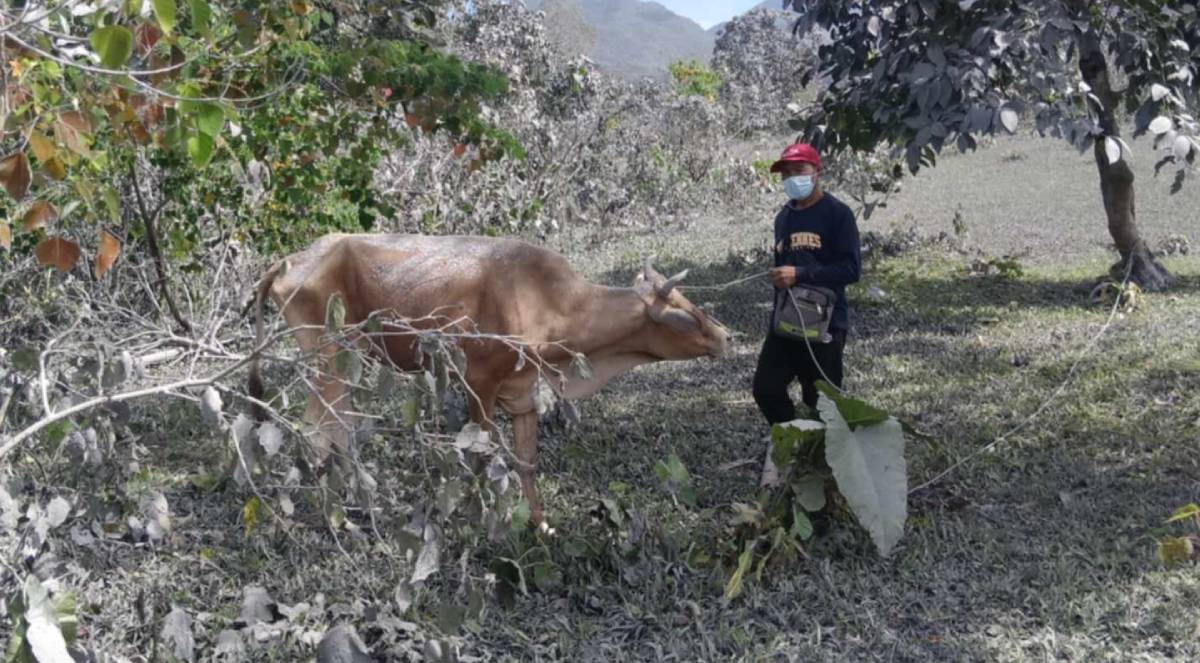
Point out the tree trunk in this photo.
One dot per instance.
(1116, 179)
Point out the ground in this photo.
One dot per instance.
(1042, 549)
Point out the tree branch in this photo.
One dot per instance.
(148, 222)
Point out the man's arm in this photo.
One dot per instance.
(778, 246)
(846, 266)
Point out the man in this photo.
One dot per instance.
(816, 243)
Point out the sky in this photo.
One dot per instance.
(709, 12)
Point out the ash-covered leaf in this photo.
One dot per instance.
(57, 511)
(431, 553)
(341, 644)
(158, 516)
(246, 446)
(42, 633)
(230, 646)
(270, 437)
(177, 635)
(10, 512)
(474, 439)
(868, 464)
(210, 405)
(257, 606)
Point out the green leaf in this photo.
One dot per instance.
(189, 90)
(802, 527)
(164, 11)
(520, 517)
(856, 413)
(348, 365)
(868, 464)
(410, 410)
(200, 149)
(1175, 550)
(253, 513)
(734, 586)
(575, 548)
(202, 18)
(58, 431)
(210, 119)
(787, 436)
(335, 313)
(810, 492)
(64, 609)
(675, 478)
(1184, 512)
(114, 44)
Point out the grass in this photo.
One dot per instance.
(1041, 549)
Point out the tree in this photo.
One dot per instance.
(694, 78)
(263, 119)
(759, 63)
(933, 73)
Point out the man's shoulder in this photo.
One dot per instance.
(837, 206)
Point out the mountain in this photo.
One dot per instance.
(629, 38)
(786, 18)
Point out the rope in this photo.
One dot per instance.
(1112, 314)
(808, 344)
(725, 286)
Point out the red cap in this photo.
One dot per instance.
(797, 153)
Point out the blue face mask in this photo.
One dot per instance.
(798, 187)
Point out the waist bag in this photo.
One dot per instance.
(803, 313)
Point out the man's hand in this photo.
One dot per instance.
(783, 277)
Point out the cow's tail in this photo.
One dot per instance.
(254, 385)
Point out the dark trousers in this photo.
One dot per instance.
(783, 360)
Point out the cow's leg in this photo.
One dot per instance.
(482, 407)
(328, 418)
(516, 397)
(525, 430)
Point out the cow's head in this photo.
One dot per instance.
(679, 329)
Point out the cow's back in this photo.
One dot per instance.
(499, 284)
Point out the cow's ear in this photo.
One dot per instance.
(679, 319)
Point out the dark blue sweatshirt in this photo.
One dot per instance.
(822, 243)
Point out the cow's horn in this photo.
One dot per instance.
(672, 282)
(648, 269)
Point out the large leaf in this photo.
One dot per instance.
(14, 173)
(856, 413)
(43, 634)
(38, 215)
(868, 464)
(43, 148)
(341, 644)
(200, 149)
(114, 44)
(106, 253)
(164, 11)
(5, 235)
(58, 253)
(201, 17)
(209, 119)
(734, 586)
(427, 561)
(1009, 119)
(177, 635)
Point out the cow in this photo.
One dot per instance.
(505, 288)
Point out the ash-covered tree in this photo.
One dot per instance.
(162, 119)
(933, 73)
(760, 63)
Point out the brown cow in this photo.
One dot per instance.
(499, 286)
